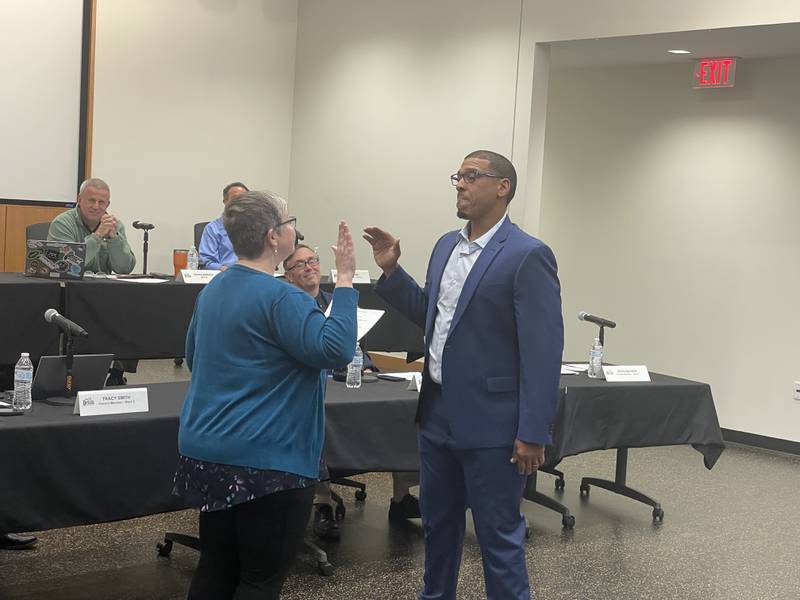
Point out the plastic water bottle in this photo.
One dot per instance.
(596, 360)
(23, 380)
(354, 369)
(192, 259)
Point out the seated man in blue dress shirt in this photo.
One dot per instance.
(216, 250)
(301, 269)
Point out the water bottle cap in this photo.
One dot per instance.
(24, 355)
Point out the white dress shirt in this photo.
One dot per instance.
(460, 263)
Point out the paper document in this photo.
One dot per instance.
(365, 318)
(142, 280)
(565, 370)
(575, 367)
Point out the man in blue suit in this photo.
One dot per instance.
(491, 312)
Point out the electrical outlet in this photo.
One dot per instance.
(797, 390)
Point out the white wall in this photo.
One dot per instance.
(384, 86)
(389, 97)
(190, 95)
(676, 212)
(546, 21)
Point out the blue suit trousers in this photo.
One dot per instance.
(485, 481)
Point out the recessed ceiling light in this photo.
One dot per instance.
(679, 51)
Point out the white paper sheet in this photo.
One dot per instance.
(143, 280)
(365, 318)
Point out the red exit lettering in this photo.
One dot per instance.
(715, 73)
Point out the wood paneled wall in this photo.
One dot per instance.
(2, 237)
(14, 218)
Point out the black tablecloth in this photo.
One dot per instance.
(23, 301)
(131, 320)
(594, 414)
(136, 321)
(58, 469)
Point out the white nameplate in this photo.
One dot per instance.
(197, 275)
(111, 402)
(360, 276)
(626, 373)
(415, 383)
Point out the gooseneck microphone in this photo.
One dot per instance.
(143, 226)
(51, 316)
(584, 316)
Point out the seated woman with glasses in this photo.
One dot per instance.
(252, 425)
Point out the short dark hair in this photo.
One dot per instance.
(249, 217)
(234, 184)
(500, 165)
(296, 248)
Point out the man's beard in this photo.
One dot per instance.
(460, 214)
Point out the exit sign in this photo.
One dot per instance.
(715, 73)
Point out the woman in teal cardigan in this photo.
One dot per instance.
(252, 426)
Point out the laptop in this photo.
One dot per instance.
(55, 260)
(89, 372)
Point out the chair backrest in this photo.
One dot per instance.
(37, 231)
(199, 228)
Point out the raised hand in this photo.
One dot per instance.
(344, 256)
(385, 248)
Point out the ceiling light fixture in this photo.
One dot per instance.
(679, 51)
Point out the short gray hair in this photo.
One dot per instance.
(95, 183)
(249, 217)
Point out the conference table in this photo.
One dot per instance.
(140, 320)
(594, 414)
(23, 301)
(62, 470)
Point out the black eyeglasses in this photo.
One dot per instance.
(290, 220)
(471, 176)
(302, 264)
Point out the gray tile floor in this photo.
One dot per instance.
(730, 533)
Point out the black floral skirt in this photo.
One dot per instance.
(212, 486)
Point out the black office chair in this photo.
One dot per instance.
(199, 228)
(37, 231)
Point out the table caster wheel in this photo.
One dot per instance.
(658, 514)
(361, 495)
(585, 489)
(164, 548)
(340, 512)
(325, 568)
(568, 521)
(560, 483)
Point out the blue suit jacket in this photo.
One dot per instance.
(501, 362)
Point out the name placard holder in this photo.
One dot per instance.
(360, 276)
(197, 275)
(111, 402)
(621, 373)
(415, 383)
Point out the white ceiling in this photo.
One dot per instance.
(765, 41)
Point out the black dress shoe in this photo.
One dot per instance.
(325, 525)
(17, 541)
(407, 508)
(115, 378)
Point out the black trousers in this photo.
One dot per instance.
(246, 551)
